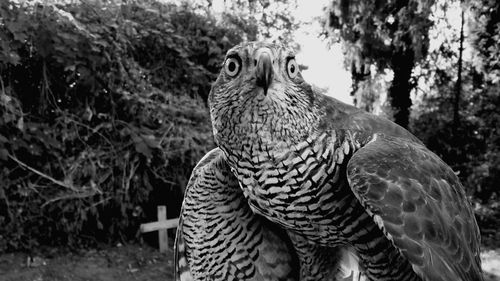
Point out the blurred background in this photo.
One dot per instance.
(103, 109)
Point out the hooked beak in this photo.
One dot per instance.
(264, 70)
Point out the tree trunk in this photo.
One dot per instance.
(359, 77)
(399, 93)
(458, 90)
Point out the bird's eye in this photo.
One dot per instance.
(232, 66)
(292, 68)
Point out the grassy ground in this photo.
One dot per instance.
(125, 263)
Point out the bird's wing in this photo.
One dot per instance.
(181, 268)
(219, 237)
(421, 206)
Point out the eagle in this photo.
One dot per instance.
(343, 186)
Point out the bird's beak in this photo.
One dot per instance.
(264, 71)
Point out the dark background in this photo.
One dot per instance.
(103, 103)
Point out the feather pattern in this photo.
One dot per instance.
(219, 238)
(329, 172)
(421, 205)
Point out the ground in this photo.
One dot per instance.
(125, 263)
(122, 263)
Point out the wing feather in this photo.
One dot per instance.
(220, 238)
(421, 206)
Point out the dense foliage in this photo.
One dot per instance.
(389, 34)
(102, 114)
(472, 145)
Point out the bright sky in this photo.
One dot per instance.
(326, 66)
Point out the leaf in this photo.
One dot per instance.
(214, 51)
(142, 148)
(3, 154)
(20, 124)
(70, 68)
(150, 140)
(14, 58)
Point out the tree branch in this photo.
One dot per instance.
(58, 182)
(68, 196)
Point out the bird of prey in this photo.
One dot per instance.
(337, 176)
(220, 238)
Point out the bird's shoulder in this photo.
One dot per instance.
(339, 116)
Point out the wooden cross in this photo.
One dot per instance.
(162, 225)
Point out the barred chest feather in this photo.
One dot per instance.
(303, 186)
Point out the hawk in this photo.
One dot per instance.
(220, 238)
(337, 177)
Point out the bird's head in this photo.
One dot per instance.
(261, 94)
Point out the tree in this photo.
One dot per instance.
(457, 100)
(387, 34)
(101, 114)
(485, 35)
(274, 19)
(458, 87)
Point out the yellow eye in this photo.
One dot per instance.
(232, 66)
(292, 68)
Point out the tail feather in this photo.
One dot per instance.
(181, 272)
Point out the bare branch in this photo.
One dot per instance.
(58, 182)
(69, 196)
